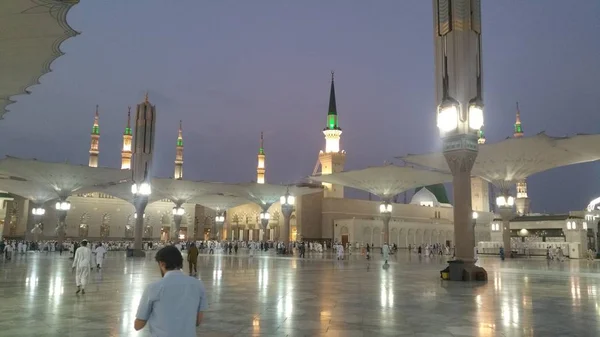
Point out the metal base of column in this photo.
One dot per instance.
(459, 270)
(138, 253)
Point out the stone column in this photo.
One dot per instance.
(140, 204)
(507, 214)
(286, 210)
(263, 224)
(386, 217)
(460, 163)
(61, 226)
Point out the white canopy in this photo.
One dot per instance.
(32, 32)
(513, 159)
(220, 202)
(183, 191)
(265, 195)
(385, 181)
(33, 191)
(63, 178)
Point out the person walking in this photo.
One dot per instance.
(174, 305)
(82, 263)
(192, 258)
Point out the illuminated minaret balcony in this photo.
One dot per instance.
(127, 140)
(260, 168)
(95, 142)
(179, 155)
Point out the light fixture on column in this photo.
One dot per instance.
(505, 201)
(385, 208)
(62, 206)
(39, 211)
(287, 199)
(135, 215)
(447, 117)
(476, 114)
(143, 189)
(264, 216)
(178, 211)
(220, 219)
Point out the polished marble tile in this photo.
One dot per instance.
(268, 295)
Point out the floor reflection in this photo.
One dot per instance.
(278, 296)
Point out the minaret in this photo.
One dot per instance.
(522, 202)
(179, 155)
(126, 151)
(480, 191)
(94, 151)
(332, 159)
(260, 168)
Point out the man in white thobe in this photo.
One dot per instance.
(340, 252)
(100, 252)
(81, 265)
(386, 252)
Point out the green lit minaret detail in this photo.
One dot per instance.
(332, 117)
(94, 145)
(128, 127)
(179, 154)
(480, 137)
(96, 127)
(518, 127)
(260, 168)
(127, 141)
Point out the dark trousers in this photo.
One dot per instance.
(193, 263)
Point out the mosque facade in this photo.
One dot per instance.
(318, 216)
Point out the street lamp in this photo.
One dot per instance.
(287, 202)
(385, 209)
(506, 205)
(62, 206)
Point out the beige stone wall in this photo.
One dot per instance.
(308, 213)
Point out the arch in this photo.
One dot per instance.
(410, 237)
(367, 235)
(450, 237)
(402, 239)
(440, 237)
(377, 237)
(394, 236)
(165, 219)
(419, 236)
(344, 230)
(427, 236)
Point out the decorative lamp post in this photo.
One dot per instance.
(460, 114)
(506, 209)
(287, 202)
(385, 209)
(62, 208)
(264, 217)
(143, 150)
(178, 213)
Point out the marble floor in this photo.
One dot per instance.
(269, 295)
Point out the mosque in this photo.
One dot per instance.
(326, 215)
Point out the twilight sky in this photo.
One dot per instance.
(230, 69)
